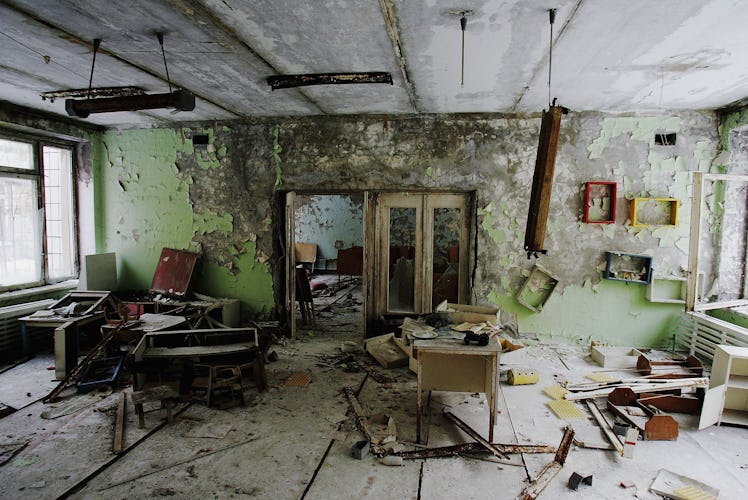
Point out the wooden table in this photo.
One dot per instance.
(447, 364)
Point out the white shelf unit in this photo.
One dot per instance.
(671, 289)
(726, 401)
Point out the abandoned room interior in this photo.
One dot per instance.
(374, 248)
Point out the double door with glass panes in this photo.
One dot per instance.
(421, 251)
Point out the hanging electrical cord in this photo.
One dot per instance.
(463, 25)
(96, 44)
(552, 18)
(160, 37)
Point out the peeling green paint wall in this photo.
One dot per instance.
(147, 201)
(223, 200)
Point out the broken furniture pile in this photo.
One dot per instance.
(170, 344)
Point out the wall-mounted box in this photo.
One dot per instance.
(645, 212)
(599, 202)
(628, 267)
(536, 289)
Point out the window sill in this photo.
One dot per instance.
(19, 295)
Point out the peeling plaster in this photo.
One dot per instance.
(490, 155)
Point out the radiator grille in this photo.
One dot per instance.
(10, 328)
(699, 334)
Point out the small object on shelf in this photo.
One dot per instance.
(628, 267)
(646, 212)
(599, 202)
(536, 290)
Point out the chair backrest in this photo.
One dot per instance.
(306, 252)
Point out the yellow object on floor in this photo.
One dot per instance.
(693, 493)
(566, 409)
(522, 377)
(600, 377)
(555, 391)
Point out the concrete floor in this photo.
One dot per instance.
(294, 442)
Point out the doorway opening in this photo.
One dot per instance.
(374, 257)
(328, 232)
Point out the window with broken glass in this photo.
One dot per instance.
(38, 241)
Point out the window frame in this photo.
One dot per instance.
(38, 143)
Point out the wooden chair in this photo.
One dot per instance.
(212, 380)
(304, 296)
(306, 254)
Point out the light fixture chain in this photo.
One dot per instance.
(96, 44)
(160, 37)
(552, 18)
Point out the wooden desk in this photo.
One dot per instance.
(66, 336)
(446, 364)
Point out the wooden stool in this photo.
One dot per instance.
(162, 393)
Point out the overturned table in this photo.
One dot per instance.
(447, 364)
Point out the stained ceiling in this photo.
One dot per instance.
(608, 55)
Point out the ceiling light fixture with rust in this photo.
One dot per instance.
(289, 81)
(179, 100)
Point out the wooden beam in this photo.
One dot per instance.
(470, 432)
(605, 426)
(544, 477)
(542, 182)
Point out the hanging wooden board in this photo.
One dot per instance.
(542, 182)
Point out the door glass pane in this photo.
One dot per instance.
(16, 154)
(20, 245)
(446, 256)
(402, 245)
(58, 204)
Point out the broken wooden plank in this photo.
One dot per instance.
(672, 403)
(441, 452)
(544, 477)
(119, 424)
(661, 428)
(477, 437)
(361, 416)
(605, 426)
(458, 449)
(646, 385)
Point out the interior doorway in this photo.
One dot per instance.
(378, 254)
(325, 231)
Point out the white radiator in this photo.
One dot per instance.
(10, 327)
(699, 334)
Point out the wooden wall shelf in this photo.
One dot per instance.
(661, 212)
(599, 202)
(628, 267)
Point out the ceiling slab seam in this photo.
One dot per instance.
(220, 25)
(543, 63)
(390, 20)
(89, 43)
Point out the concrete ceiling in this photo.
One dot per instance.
(608, 55)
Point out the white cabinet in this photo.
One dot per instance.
(726, 401)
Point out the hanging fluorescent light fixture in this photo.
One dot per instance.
(180, 100)
(290, 81)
